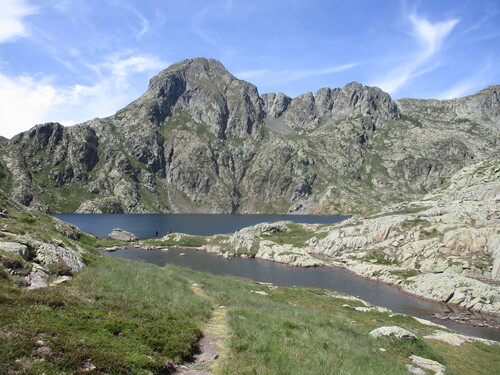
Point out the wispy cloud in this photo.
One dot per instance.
(274, 77)
(48, 101)
(429, 38)
(476, 82)
(145, 26)
(12, 16)
(122, 68)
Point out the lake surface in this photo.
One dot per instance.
(323, 277)
(145, 225)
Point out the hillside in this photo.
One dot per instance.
(200, 140)
(118, 317)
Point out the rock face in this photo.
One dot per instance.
(201, 140)
(47, 251)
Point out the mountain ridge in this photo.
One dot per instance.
(202, 140)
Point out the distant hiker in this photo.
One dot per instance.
(47, 208)
(156, 234)
(170, 231)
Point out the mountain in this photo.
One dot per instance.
(201, 140)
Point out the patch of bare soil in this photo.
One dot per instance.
(211, 344)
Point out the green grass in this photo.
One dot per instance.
(377, 258)
(135, 318)
(121, 317)
(296, 236)
(408, 224)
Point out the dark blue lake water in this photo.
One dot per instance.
(145, 225)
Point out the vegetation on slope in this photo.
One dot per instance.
(118, 317)
(121, 317)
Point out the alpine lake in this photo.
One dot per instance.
(332, 278)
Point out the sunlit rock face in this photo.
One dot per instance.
(201, 140)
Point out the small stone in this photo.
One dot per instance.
(262, 293)
(428, 364)
(415, 370)
(394, 331)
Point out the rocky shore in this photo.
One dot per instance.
(444, 247)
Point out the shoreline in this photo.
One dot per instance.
(461, 319)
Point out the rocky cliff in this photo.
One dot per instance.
(200, 140)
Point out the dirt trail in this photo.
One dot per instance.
(211, 344)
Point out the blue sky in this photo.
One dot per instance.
(74, 60)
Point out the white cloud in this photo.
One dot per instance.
(11, 19)
(29, 100)
(430, 37)
(469, 85)
(134, 64)
(274, 77)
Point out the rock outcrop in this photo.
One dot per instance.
(444, 247)
(201, 140)
(393, 331)
(36, 249)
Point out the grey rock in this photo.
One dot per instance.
(201, 140)
(38, 277)
(428, 364)
(415, 370)
(393, 331)
(47, 254)
(16, 248)
(122, 235)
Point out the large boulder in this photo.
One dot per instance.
(121, 235)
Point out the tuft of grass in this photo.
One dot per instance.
(296, 236)
(378, 257)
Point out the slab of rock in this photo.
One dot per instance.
(47, 254)
(447, 337)
(463, 291)
(38, 277)
(121, 235)
(415, 370)
(428, 364)
(286, 253)
(16, 248)
(457, 339)
(393, 331)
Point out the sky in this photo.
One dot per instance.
(69, 61)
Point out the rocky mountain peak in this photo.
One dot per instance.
(205, 91)
(307, 111)
(201, 140)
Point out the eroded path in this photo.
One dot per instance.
(211, 344)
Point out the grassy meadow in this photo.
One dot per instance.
(119, 317)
